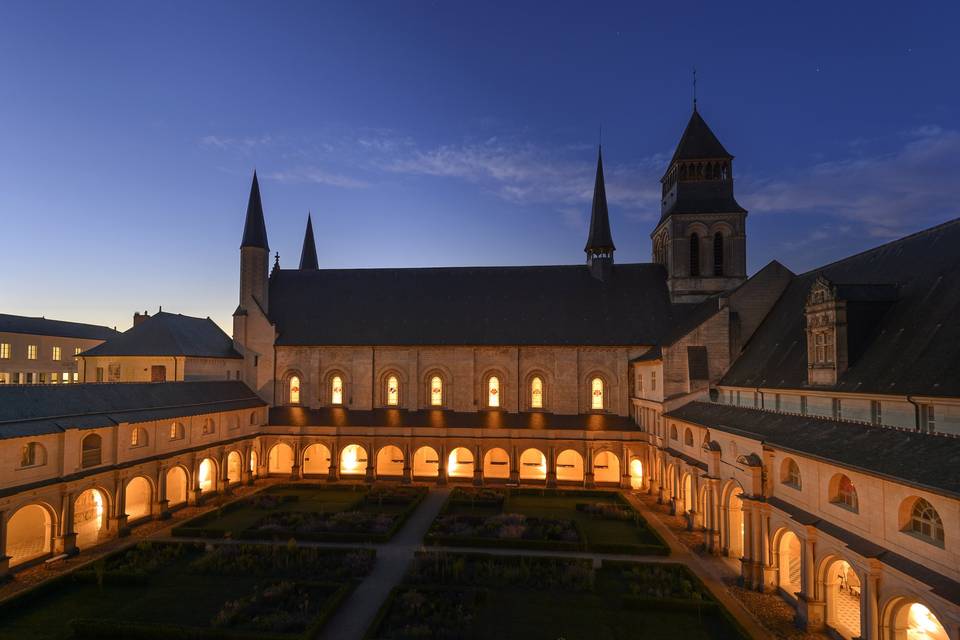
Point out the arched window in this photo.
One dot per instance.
(253, 417)
(846, 494)
(596, 394)
(436, 391)
(91, 453)
(536, 393)
(32, 454)
(176, 431)
(294, 390)
(718, 254)
(790, 474)
(336, 390)
(393, 391)
(673, 432)
(493, 392)
(688, 438)
(208, 427)
(925, 522)
(694, 255)
(138, 437)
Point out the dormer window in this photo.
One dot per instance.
(823, 347)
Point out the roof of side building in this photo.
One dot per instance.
(913, 346)
(920, 459)
(27, 410)
(58, 328)
(169, 334)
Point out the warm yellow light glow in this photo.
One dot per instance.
(336, 390)
(98, 505)
(436, 391)
(460, 463)
(253, 462)
(636, 473)
(596, 394)
(294, 390)
(536, 393)
(493, 392)
(205, 475)
(353, 459)
(393, 391)
(923, 625)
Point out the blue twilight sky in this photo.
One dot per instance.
(446, 133)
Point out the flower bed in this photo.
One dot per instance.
(506, 526)
(395, 494)
(476, 497)
(287, 561)
(287, 524)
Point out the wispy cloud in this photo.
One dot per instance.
(317, 175)
(243, 144)
(886, 193)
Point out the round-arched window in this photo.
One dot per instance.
(294, 389)
(493, 392)
(393, 391)
(596, 394)
(336, 390)
(536, 393)
(925, 522)
(436, 391)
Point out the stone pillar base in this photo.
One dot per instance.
(370, 477)
(811, 614)
(332, 475)
(4, 567)
(159, 508)
(195, 497)
(67, 543)
(770, 582)
(588, 481)
(407, 476)
(514, 477)
(552, 479)
(626, 482)
(295, 472)
(441, 479)
(478, 478)
(673, 506)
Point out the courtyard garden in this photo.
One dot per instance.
(477, 595)
(599, 521)
(311, 512)
(191, 591)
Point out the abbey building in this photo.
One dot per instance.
(806, 424)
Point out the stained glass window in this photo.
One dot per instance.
(536, 393)
(294, 390)
(336, 390)
(393, 391)
(493, 392)
(596, 394)
(436, 391)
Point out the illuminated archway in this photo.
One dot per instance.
(533, 465)
(687, 485)
(636, 473)
(316, 460)
(254, 461)
(353, 460)
(735, 529)
(389, 461)
(426, 463)
(788, 554)
(29, 534)
(234, 467)
(606, 467)
(496, 464)
(89, 516)
(842, 589)
(206, 475)
(176, 486)
(137, 498)
(907, 619)
(460, 463)
(280, 459)
(569, 466)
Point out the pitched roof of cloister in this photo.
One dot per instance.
(27, 410)
(58, 328)
(921, 459)
(910, 346)
(169, 334)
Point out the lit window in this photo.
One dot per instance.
(138, 437)
(536, 393)
(336, 390)
(846, 495)
(493, 392)
(791, 473)
(31, 352)
(4, 350)
(76, 377)
(436, 391)
(76, 351)
(65, 377)
(176, 431)
(653, 381)
(596, 393)
(823, 347)
(393, 391)
(294, 390)
(925, 521)
(56, 353)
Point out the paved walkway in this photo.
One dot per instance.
(353, 617)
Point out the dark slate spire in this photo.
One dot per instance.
(599, 242)
(698, 142)
(308, 255)
(254, 229)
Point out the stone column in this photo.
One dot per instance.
(66, 541)
(770, 573)
(588, 481)
(371, 474)
(296, 470)
(4, 558)
(696, 516)
(194, 494)
(407, 464)
(478, 466)
(442, 465)
(160, 508)
(812, 608)
(551, 466)
(333, 473)
(747, 559)
(870, 607)
(514, 465)
(625, 478)
(120, 506)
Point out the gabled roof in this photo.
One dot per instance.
(254, 228)
(308, 255)
(920, 459)
(599, 238)
(552, 305)
(913, 342)
(169, 334)
(58, 328)
(27, 410)
(698, 142)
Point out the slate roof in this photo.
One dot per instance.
(912, 345)
(169, 334)
(58, 328)
(254, 227)
(599, 238)
(551, 305)
(921, 459)
(378, 418)
(27, 410)
(698, 142)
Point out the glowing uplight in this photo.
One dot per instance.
(923, 625)
(636, 473)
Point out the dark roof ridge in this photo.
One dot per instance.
(467, 267)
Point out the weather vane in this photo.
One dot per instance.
(694, 88)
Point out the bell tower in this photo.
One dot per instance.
(701, 235)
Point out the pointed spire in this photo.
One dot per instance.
(308, 255)
(698, 142)
(600, 241)
(255, 229)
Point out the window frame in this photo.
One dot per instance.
(493, 391)
(436, 391)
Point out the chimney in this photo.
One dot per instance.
(139, 317)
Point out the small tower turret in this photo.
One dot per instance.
(599, 247)
(254, 254)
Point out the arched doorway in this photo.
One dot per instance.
(842, 588)
(316, 460)
(735, 529)
(912, 620)
(788, 554)
(389, 462)
(176, 486)
(496, 464)
(636, 473)
(569, 466)
(206, 475)
(29, 534)
(353, 460)
(460, 463)
(533, 465)
(606, 468)
(234, 467)
(136, 502)
(426, 463)
(89, 516)
(280, 459)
